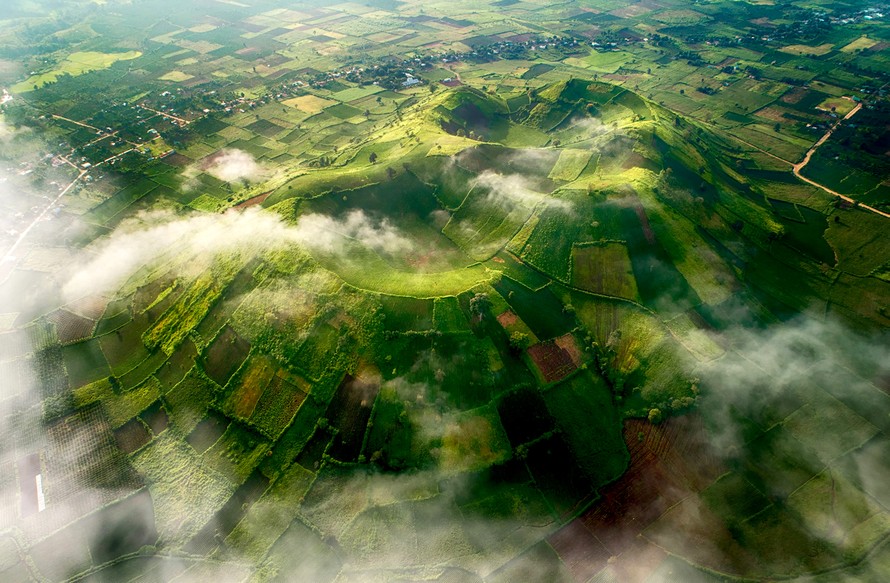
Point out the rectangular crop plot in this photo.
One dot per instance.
(269, 516)
(304, 556)
(511, 323)
(348, 413)
(278, 405)
(447, 315)
(828, 426)
(485, 222)
(131, 435)
(237, 452)
(225, 356)
(734, 498)
(155, 417)
(344, 111)
(250, 383)
(83, 456)
(590, 424)
(524, 416)
(537, 70)
(191, 307)
(311, 454)
(604, 269)
(121, 200)
(265, 127)
(318, 347)
(778, 459)
(553, 467)
(835, 509)
(85, 363)
(407, 313)
(580, 550)
(552, 362)
(354, 93)
(208, 431)
(71, 327)
(187, 492)
(570, 165)
(541, 310)
(189, 399)
(225, 520)
(549, 246)
(309, 103)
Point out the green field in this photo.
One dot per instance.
(73, 65)
(449, 291)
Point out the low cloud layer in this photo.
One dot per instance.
(589, 125)
(229, 165)
(331, 235)
(510, 190)
(150, 236)
(765, 363)
(235, 165)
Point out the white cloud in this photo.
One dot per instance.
(235, 165)
(151, 236)
(330, 235)
(513, 190)
(229, 165)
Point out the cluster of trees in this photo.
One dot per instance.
(605, 362)
(321, 162)
(604, 359)
(462, 133)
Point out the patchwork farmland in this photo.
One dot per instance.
(491, 291)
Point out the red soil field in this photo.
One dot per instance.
(507, 319)
(131, 436)
(71, 327)
(553, 362)
(259, 199)
(669, 462)
(568, 343)
(91, 307)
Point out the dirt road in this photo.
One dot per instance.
(806, 160)
(796, 168)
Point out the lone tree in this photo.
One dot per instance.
(519, 341)
(479, 305)
(655, 416)
(372, 158)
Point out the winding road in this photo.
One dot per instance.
(796, 168)
(806, 160)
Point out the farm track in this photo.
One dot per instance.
(78, 123)
(167, 115)
(797, 168)
(102, 136)
(806, 160)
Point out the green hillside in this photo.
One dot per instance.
(528, 310)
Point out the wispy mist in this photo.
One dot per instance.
(508, 191)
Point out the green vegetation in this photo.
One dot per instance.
(75, 64)
(394, 290)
